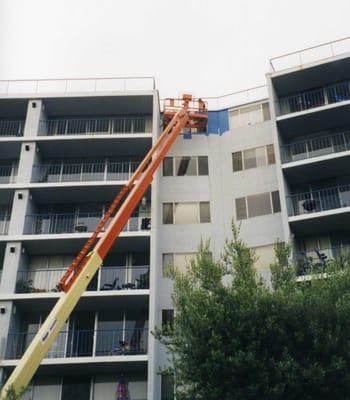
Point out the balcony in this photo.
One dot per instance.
(315, 147)
(4, 223)
(97, 126)
(310, 99)
(83, 172)
(107, 278)
(7, 174)
(11, 128)
(84, 343)
(47, 224)
(319, 200)
(314, 261)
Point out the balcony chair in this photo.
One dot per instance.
(111, 286)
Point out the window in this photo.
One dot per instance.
(253, 158)
(178, 260)
(259, 204)
(168, 169)
(250, 115)
(241, 209)
(167, 387)
(186, 213)
(256, 205)
(185, 166)
(76, 387)
(168, 217)
(167, 317)
(276, 205)
(270, 154)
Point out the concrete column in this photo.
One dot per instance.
(7, 309)
(35, 113)
(283, 188)
(12, 262)
(21, 206)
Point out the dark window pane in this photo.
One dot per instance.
(270, 154)
(167, 317)
(276, 204)
(74, 388)
(203, 165)
(241, 209)
(168, 166)
(167, 387)
(185, 166)
(266, 111)
(168, 215)
(237, 162)
(204, 212)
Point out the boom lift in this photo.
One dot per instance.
(178, 114)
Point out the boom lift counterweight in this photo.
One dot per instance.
(176, 117)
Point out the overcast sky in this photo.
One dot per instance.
(207, 47)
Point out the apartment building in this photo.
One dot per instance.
(273, 159)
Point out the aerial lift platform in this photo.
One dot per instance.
(178, 115)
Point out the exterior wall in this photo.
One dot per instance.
(220, 187)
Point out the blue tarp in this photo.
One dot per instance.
(218, 122)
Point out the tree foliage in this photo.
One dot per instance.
(235, 337)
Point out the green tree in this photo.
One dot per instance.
(236, 337)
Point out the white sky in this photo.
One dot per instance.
(207, 47)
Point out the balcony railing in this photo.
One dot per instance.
(84, 172)
(98, 126)
(7, 174)
(319, 200)
(84, 343)
(4, 223)
(314, 261)
(315, 98)
(107, 278)
(11, 128)
(38, 224)
(315, 147)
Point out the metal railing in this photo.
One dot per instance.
(107, 278)
(4, 223)
(96, 126)
(83, 343)
(73, 223)
(77, 85)
(310, 54)
(315, 98)
(7, 174)
(319, 200)
(11, 128)
(315, 147)
(83, 172)
(237, 98)
(314, 261)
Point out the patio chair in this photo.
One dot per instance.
(111, 286)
